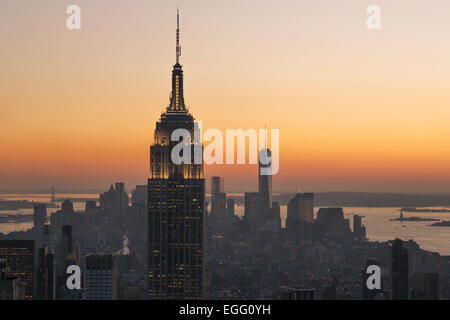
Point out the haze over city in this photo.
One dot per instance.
(357, 110)
(105, 193)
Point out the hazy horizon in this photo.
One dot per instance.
(231, 192)
(357, 109)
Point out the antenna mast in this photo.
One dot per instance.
(178, 49)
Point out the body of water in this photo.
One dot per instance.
(39, 197)
(380, 228)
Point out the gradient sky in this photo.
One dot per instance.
(358, 110)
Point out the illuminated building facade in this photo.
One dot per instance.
(175, 206)
(19, 256)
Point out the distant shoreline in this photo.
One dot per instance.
(338, 199)
(441, 224)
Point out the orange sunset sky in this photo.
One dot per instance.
(357, 109)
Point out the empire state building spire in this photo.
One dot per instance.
(176, 97)
(176, 205)
(178, 48)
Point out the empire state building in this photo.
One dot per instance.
(176, 197)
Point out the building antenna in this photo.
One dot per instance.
(178, 48)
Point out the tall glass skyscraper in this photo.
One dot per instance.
(399, 273)
(264, 180)
(176, 197)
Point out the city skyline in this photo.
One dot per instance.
(358, 110)
(263, 233)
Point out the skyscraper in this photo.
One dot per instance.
(101, 277)
(107, 202)
(218, 198)
(219, 205)
(399, 271)
(251, 202)
(300, 217)
(261, 215)
(139, 196)
(39, 216)
(121, 202)
(45, 275)
(359, 230)
(65, 216)
(115, 203)
(301, 207)
(53, 193)
(264, 180)
(19, 256)
(63, 255)
(216, 185)
(176, 195)
(333, 221)
(67, 206)
(230, 207)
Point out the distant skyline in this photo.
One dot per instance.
(358, 110)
